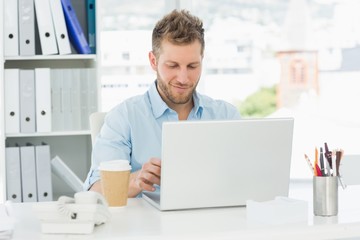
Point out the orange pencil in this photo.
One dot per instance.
(316, 162)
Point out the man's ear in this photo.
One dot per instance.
(152, 60)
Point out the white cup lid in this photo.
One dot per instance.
(115, 165)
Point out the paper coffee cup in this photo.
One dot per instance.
(115, 177)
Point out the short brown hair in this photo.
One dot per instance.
(178, 27)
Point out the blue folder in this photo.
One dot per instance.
(90, 10)
(76, 33)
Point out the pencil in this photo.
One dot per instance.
(309, 164)
(316, 162)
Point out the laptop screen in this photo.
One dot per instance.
(224, 163)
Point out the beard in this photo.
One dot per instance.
(173, 96)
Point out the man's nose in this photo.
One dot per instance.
(183, 75)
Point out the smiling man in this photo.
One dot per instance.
(132, 130)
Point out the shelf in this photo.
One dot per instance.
(52, 57)
(72, 72)
(49, 134)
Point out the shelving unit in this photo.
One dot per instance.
(73, 147)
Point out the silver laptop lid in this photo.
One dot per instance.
(224, 163)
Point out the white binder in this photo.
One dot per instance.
(57, 121)
(66, 99)
(12, 101)
(28, 173)
(62, 36)
(27, 101)
(84, 101)
(43, 99)
(43, 173)
(26, 27)
(13, 174)
(75, 98)
(63, 171)
(92, 93)
(88, 96)
(11, 28)
(46, 27)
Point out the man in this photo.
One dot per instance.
(132, 130)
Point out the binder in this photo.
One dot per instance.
(84, 93)
(61, 170)
(46, 27)
(76, 33)
(26, 27)
(66, 100)
(88, 96)
(12, 101)
(27, 101)
(11, 29)
(92, 91)
(37, 39)
(57, 121)
(43, 99)
(62, 37)
(13, 174)
(28, 173)
(43, 173)
(91, 19)
(75, 98)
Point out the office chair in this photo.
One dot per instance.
(96, 121)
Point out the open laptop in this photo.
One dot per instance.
(223, 163)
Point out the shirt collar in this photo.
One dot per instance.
(159, 106)
(198, 104)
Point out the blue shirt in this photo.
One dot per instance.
(132, 129)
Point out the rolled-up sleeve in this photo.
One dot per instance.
(113, 142)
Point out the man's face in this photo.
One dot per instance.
(178, 71)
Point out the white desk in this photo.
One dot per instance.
(139, 220)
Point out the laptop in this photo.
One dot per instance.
(223, 163)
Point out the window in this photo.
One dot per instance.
(125, 42)
(308, 50)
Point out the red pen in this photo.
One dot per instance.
(318, 171)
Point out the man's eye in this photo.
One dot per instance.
(193, 66)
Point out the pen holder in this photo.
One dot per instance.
(325, 196)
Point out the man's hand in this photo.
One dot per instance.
(146, 177)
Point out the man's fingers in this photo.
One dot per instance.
(149, 175)
(150, 178)
(155, 161)
(149, 167)
(145, 185)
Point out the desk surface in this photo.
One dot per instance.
(140, 220)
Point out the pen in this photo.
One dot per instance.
(318, 171)
(333, 162)
(328, 155)
(339, 155)
(338, 158)
(322, 166)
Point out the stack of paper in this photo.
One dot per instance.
(7, 220)
(281, 210)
